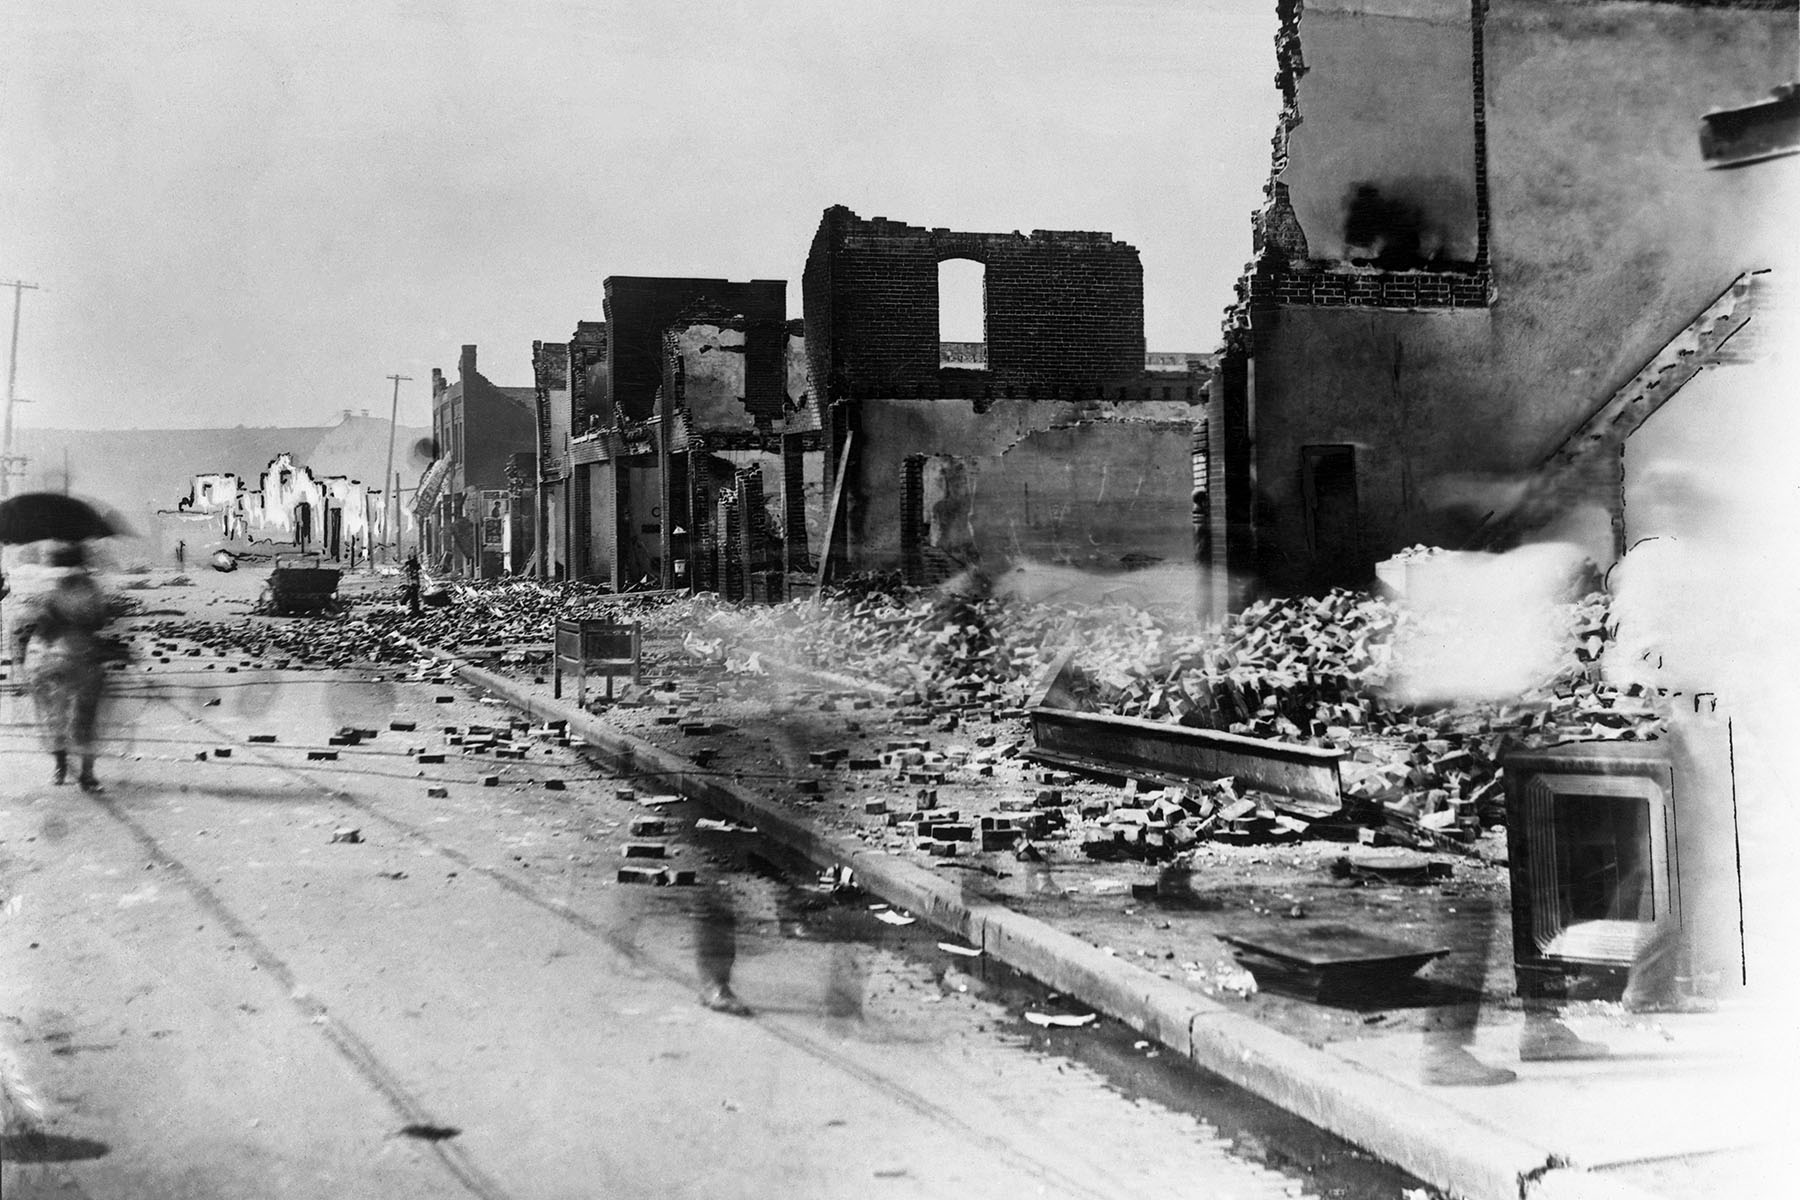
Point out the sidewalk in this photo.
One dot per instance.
(1670, 1112)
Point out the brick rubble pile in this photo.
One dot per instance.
(1316, 671)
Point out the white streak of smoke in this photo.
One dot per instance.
(1483, 626)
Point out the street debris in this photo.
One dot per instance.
(429, 1133)
(1235, 981)
(949, 676)
(1060, 1020)
(715, 825)
(346, 834)
(658, 876)
(964, 951)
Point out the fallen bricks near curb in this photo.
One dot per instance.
(1400, 1125)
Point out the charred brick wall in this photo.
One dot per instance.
(702, 537)
(587, 375)
(912, 519)
(639, 309)
(1064, 308)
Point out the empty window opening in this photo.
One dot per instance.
(962, 313)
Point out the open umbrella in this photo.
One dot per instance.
(52, 516)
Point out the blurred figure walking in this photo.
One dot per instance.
(64, 667)
(715, 950)
(410, 572)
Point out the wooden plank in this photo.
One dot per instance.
(1325, 944)
(1129, 746)
(831, 516)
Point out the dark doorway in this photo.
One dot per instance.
(1328, 492)
(302, 524)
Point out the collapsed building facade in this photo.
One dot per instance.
(680, 444)
(1051, 441)
(474, 504)
(1489, 254)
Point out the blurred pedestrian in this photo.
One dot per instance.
(410, 572)
(715, 950)
(64, 667)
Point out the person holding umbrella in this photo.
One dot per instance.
(60, 635)
(64, 667)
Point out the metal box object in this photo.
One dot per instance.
(1593, 848)
(605, 647)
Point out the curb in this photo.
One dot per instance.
(1463, 1157)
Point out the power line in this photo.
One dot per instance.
(388, 478)
(7, 460)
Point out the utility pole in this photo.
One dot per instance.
(393, 425)
(12, 373)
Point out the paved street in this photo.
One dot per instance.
(213, 997)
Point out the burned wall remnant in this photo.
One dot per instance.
(1542, 280)
(688, 390)
(1063, 308)
(1053, 440)
(478, 427)
(739, 440)
(550, 365)
(639, 309)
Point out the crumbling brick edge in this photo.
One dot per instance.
(1464, 1157)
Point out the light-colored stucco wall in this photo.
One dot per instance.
(1029, 480)
(1406, 68)
(1608, 236)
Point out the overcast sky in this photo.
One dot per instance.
(247, 213)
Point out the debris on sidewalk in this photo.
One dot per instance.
(716, 825)
(1390, 866)
(346, 834)
(1328, 962)
(1060, 1020)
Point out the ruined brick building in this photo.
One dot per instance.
(1490, 252)
(470, 507)
(1050, 442)
(682, 443)
(678, 439)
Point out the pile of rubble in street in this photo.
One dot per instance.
(1315, 671)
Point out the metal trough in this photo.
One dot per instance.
(1113, 745)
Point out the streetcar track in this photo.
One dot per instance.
(349, 1045)
(364, 1059)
